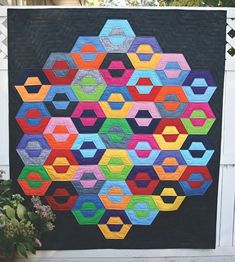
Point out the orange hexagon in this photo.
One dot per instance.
(33, 86)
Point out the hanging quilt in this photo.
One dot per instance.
(115, 121)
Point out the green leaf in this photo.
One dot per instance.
(14, 222)
(32, 216)
(20, 211)
(21, 250)
(30, 247)
(10, 212)
(6, 188)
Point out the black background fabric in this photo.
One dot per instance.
(199, 35)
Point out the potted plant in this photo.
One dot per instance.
(22, 223)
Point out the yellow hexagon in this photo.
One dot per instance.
(115, 164)
(120, 113)
(108, 234)
(162, 206)
(144, 49)
(170, 145)
(66, 171)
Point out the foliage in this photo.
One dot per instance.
(216, 3)
(228, 3)
(21, 224)
(103, 2)
(202, 3)
(185, 3)
(141, 3)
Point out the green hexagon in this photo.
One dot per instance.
(198, 130)
(88, 210)
(88, 85)
(115, 133)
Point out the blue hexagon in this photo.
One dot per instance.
(88, 149)
(33, 149)
(117, 36)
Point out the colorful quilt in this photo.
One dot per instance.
(115, 121)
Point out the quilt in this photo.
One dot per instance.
(115, 121)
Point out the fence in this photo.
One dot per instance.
(226, 195)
